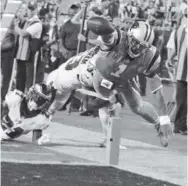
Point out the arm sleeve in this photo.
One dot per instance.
(153, 64)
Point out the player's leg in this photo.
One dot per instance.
(59, 101)
(104, 119)
(145, 110)
(64, 81)
(12, 131)
(137, 105)
(105, 116)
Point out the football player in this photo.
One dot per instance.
(70, 76)
(122, 56)
(26, 112)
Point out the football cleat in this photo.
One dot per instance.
(44, 139)
(164, 133)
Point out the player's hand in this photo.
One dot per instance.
(170, 68)
(165, 133)
(167, 130)
(169, 64)
(82, 38)
(64, 52)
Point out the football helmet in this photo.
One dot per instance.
(38, 96)
(140, 37)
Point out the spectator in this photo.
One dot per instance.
(170, 49)
(68, 44)
(113, 9)
(92, 40)
(162, 35)
(28, 44)
(181, 49)
(150, 9)
(44, 8)
(122, 10)
(69, 33)
(7, 58)
(55, 56)
(183, 6)
(140, 12)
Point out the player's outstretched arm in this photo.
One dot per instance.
(164, 129)
(157, 90)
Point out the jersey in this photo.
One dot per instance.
(17, 107)
(73, 73)
(117, 66)
(19, 119)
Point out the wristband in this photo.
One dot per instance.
(164, 120)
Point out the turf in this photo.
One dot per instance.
(71, 175)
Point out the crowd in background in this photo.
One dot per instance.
(57, 40)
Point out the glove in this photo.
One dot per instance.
(164, 130)
(6, 122)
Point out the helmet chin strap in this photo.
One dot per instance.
(132, 54)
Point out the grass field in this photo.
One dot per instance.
(67, 175)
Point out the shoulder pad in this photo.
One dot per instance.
(152, 60)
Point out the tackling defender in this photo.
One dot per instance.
(26, 112)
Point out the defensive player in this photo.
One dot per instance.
(26, 112)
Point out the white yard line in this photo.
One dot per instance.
(51, 162)
(27, 153)
(9, 160)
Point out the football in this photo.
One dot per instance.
(100, 26)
